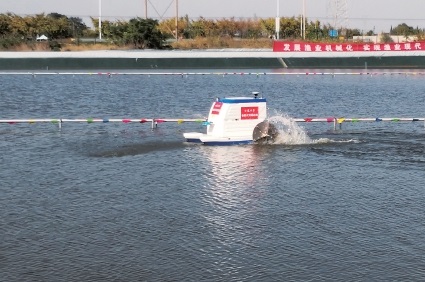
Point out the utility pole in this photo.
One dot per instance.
(338, 12)
(146, 9)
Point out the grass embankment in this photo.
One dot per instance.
(45, 46)
(184, 44)
(219, 43)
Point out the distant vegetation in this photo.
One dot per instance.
(71, 33)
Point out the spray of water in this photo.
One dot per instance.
(290, 133)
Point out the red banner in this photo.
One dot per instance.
(249, 113)
(216, 108)
(283, 46)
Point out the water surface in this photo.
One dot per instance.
(120, 202)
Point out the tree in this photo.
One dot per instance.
(144, 33)
(77, 26)
(56, 16)
(268, 25)
(168, 27)
(293, 27)
(107, 29)
(59, 28)
(197, 28)
(290, 28)
(5, 28)
(353, 32)
(227, 27)
(253, 29)
(210, 27)
(386, 38)
(118, 31)
(402, 29)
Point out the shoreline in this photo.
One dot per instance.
(206, 59)
(141, 59)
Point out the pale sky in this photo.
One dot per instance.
(362, 14)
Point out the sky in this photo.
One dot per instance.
(377, 15)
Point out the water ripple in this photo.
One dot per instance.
(114, 202)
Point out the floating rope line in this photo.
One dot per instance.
(185, 74)
(154, 121)
(179, 121)
(341, 120)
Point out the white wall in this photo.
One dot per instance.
(377, 38)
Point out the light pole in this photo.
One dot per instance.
(277, 23)
(303, 19)
(100, 19)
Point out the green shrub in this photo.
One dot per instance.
(54, 45)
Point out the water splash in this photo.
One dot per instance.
(290, 133)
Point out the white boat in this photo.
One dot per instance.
(236, 120)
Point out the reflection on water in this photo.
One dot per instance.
(236, 186)
(235, 165)
(237, 177)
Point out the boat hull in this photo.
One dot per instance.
(200, 138)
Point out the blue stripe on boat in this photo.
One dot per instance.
(193, 140)
(241, 100)
(227, 143)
